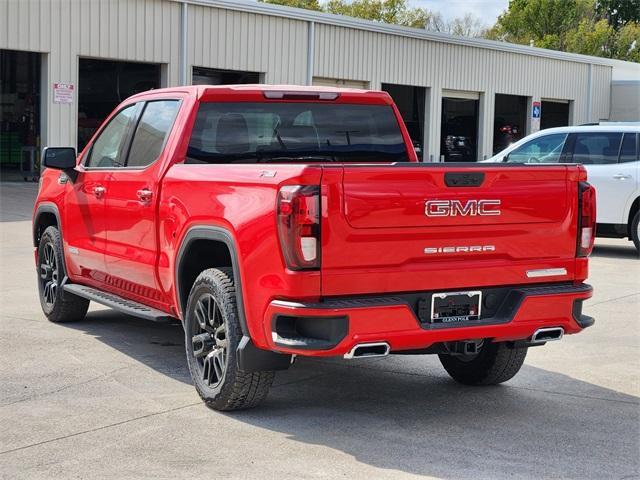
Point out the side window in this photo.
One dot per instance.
(105, 152)
(545, 149)
(595, 148)
(628, 152)
(151, 132)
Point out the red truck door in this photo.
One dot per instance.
(84, 226)
(131, 205)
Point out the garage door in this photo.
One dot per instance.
(555, 113)
(103, 84)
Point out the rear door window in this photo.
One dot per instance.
(544, 149)
(294, 132)
(151, 132)
(628, 150)
(596, 148)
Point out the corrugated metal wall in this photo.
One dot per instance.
(135, 30)
(380, 58)
(354, 54)
(601, 88)
(625, 100)
(276, 46)
(233, 40)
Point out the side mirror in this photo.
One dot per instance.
(60, 158)
(505, 158)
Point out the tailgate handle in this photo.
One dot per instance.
(463, 179)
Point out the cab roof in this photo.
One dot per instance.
(257, 92)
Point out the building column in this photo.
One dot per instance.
(432, 124)
(589, 98)
(59, 124)
(311, 45)
(45, 95)
(533, 124)
(184, 76)
(486, 114)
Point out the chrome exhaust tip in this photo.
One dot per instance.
(543, 335)
(368, 350)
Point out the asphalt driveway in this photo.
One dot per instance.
(111, 397)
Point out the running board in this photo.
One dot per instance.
(118, 303)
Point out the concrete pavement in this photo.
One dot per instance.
(110, 397)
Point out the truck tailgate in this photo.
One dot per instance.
(397, 228)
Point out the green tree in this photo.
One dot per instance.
(626, 45)
(605, 28)
(306, 4)
(591, 38)
(546, 22)
(619, 12)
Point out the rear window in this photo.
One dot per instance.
(596, 148)
(295, 132)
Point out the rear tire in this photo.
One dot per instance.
(635, 230)
(212, 334)
(495, 363)
(58, 306)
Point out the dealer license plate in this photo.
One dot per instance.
(453, 307)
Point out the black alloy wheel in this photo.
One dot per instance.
(209, 341)
(49, 274)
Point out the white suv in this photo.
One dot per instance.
(610, 153)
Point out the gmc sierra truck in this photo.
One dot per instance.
(277, 221)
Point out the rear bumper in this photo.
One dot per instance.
(333, 327)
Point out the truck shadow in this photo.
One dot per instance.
(404, 414)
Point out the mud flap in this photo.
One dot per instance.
(253, 359)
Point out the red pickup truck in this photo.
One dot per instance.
(277, 221)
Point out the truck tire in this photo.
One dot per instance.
(635, 230)
(495, 363)
(58, 306)
(212, 334)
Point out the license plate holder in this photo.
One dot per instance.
(456, 307)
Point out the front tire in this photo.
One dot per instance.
(494, 364)
(57, 305)
(635, 230)
(212, 334)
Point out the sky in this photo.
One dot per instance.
(486, 10)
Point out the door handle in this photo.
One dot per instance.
(145, 195)
(620, 176)
(99, 190)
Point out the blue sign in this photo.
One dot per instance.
(535, 110)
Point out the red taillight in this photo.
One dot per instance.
(299, 226)
(586, 219)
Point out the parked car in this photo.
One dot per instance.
(610, 153)
(276, 222)
(505, 134)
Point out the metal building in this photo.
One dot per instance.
(66, 63)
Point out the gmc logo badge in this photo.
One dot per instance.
(454, 208)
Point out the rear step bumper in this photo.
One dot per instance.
(395, 320)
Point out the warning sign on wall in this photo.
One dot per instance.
(63, 92)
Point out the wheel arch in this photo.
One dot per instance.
(205, 247)
(47, 215)
(635, 206)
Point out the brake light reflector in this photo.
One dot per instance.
(586, 219)
(299, 226)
